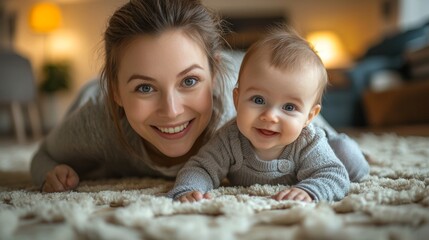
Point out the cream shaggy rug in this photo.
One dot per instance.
(393, 203)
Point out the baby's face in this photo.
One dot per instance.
(274, 105)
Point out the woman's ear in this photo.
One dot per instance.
(117, 98)
(313, 113)
(218, 60)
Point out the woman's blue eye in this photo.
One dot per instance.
(289, 107)
(258, 100)
(189, 82)
(144, 88)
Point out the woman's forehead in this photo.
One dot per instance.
(167, 43)
(171, 51)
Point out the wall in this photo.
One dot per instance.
(358, 22)
(348, 18)
(83, 25)
(413, 12)
(80, 34)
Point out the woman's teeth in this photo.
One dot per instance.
(173, 130)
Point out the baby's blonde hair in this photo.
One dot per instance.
(288, 50)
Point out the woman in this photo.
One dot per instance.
(163, 81)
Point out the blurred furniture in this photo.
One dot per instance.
(403, 105)
(344, 106)
(406, 103)
(18, 89)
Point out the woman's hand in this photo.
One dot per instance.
(293, 194)
(193, 196)
(61, 178)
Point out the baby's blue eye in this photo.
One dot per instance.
(189, 82)
(289, 107)
(144, 88)
(258, 100)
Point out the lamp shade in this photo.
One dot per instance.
(329, 48)
(45, 17)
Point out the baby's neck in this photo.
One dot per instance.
(268, 155)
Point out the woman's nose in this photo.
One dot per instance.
(171, 106)
(269, 115)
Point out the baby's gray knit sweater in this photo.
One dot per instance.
(308, 163)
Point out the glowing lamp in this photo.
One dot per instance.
(45, 17)
(329, 47)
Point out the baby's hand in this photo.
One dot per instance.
(60, 179)
(193, 196)
(293, 194)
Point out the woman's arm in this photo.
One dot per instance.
(76, 143)
(41, 164)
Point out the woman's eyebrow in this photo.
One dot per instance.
(188, 69)
(147, 78)
(139, 76)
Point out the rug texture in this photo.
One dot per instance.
(392, 203)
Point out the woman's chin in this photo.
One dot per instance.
(175, 151)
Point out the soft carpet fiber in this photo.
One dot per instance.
(393, 203)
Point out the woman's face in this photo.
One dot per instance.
(165, 87)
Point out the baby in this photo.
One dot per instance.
(271, 141)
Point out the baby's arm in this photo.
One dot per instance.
(293, 194)
(346, 149)
(321, 174)
(201, 174)
(203, 171)
(350, 154)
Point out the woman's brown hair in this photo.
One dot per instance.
(153, 17)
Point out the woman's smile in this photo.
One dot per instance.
(174, 132)
(174, 129)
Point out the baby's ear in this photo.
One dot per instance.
(313, 113)
(235, 97)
